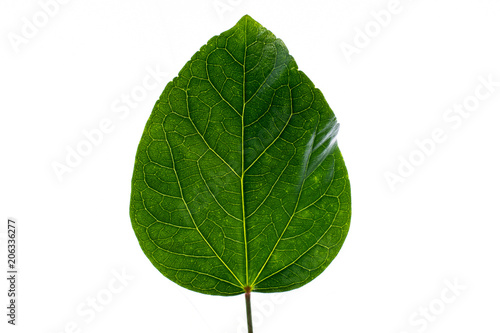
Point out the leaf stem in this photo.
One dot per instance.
(249, 309)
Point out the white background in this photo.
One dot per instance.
(441, 224)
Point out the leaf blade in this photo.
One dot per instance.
(230, 148)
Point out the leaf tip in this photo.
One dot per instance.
(247, 19)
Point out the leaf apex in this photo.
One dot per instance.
(247, 19)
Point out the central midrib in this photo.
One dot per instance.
(243, 156)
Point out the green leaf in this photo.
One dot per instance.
(238, 180)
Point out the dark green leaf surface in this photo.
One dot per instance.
(238, 179)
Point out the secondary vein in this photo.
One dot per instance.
(191, 216)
